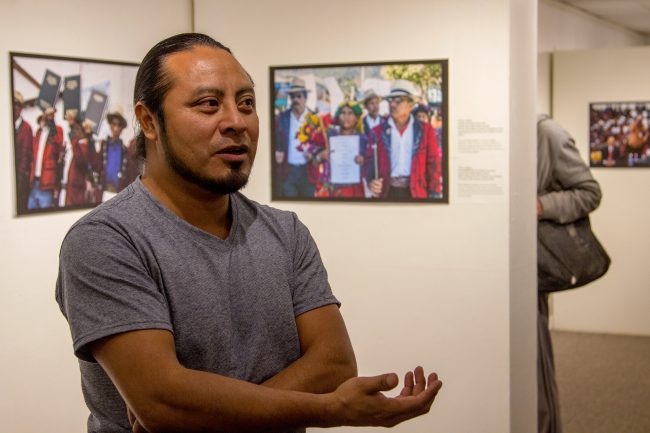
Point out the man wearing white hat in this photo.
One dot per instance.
(294, 179)
(408, 158)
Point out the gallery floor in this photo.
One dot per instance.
(604, 382)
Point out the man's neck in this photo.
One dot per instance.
(200, 208)
(402, 123)
(298, 113)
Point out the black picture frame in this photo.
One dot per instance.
(40, 83)
(619, 134)
(331, 84)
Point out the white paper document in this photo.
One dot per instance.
(343, 150)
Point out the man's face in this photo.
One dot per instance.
(422, 116)
(17, 110)
(298, 102)
(71, 116)
(372, 105)
(116, 128)
(400, 108)
(48, 116)
(211, 123)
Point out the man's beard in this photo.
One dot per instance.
(231, 182)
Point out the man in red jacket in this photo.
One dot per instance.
(408, 159)
(23, 152)
(45, 175)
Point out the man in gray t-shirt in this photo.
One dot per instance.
(193, 308)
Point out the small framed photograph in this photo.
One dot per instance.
(619, 134)
(74, 144)
(365, 132)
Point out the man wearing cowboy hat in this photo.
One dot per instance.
(115, 157)
(408, 156)
(23, 137)
(45, 173)
(293, 175)
(371, 101)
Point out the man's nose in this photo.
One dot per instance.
(233, 119)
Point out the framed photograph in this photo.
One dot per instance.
(365, 132)
(619, 134)
(74, 144)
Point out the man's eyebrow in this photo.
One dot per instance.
(246, 89)
(202, 91)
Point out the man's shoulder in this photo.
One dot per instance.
(24, 126)
(380, 128)
(284, 115)
(551, 133)
(128, 207)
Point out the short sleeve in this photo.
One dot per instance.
(310, 287)
(104, 288)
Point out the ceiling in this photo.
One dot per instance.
(631, 14)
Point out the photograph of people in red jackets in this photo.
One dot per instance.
(73, 147)
(360, 132)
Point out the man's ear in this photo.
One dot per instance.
(147, 120)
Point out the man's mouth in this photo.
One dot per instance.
(233, 150)
(235, 154)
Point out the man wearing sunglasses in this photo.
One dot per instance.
(408, 159)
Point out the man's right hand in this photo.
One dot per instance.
(279, 157)
(360, 402)
(376, 185)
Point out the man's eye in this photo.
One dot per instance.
(210, 103)
(248, 102)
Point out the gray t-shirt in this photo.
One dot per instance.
(231, 304)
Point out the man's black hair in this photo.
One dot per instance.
(153, 81)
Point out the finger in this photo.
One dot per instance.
(420, 381)
(383, 382)
(433, 380)
(408, 385)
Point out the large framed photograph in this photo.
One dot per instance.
(74, 143)
(370, 132)
(619, 134)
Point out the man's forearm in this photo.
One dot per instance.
(315, 373)
(203, 402)
(196, 401)
(327, 358)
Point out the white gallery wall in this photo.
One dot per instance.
(565, 28)
(562, 27)
(437, 285)
(41, 388)
(450, 287)
(618, 302)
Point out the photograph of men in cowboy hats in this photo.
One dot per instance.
(360, 132)
(73, 147)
